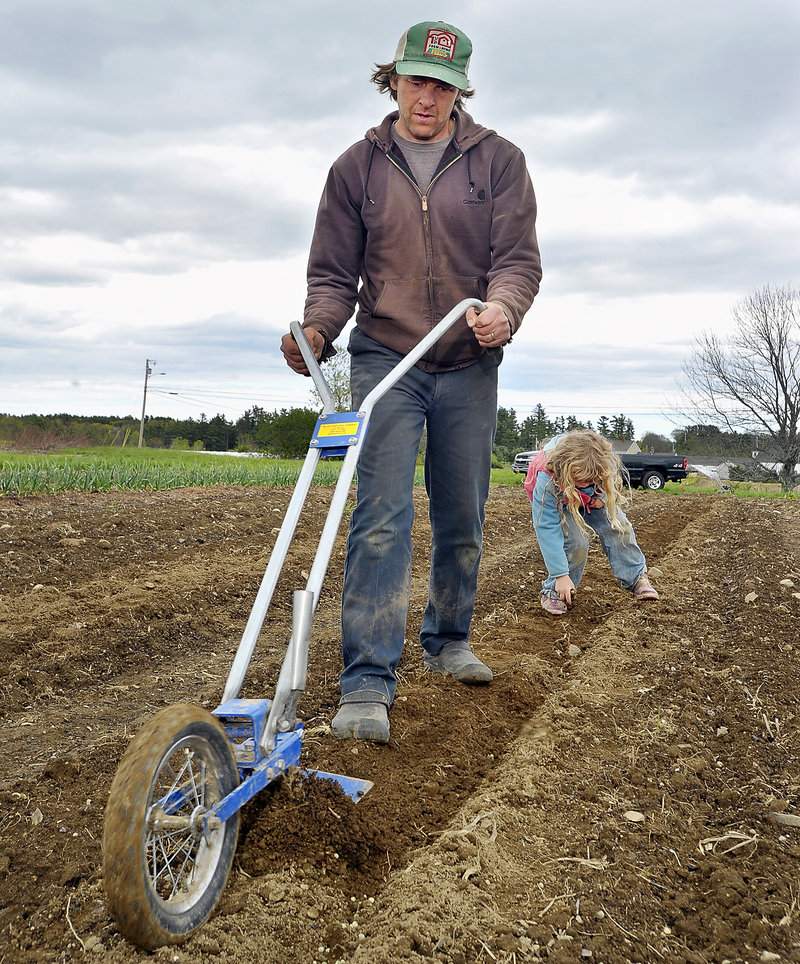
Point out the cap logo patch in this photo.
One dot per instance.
(440, 44)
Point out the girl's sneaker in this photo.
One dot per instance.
(553, 604)
(644, 589)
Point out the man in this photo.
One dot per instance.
(430, 208)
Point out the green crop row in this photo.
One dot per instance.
(96, 471)
(106, 469)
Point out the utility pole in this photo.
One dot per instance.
(148, 371)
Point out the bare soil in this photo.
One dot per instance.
(623, 792)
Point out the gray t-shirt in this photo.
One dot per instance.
(423, 156)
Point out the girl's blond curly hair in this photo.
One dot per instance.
(583, 457)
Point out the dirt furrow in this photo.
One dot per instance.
(499, 825)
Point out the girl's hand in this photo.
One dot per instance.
(596, 502)
(565, 588)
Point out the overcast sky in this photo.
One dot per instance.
(161, 164)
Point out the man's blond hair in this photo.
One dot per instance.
(385, 74)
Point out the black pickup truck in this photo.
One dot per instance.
(645, 471)
(652, 471)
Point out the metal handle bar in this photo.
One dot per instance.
(411, 359)
(334, 517)
(321, 385)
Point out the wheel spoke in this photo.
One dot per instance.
(192, 780)
(170, 848)
(202, 800)
(183, 787)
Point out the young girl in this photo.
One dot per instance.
(575, 486)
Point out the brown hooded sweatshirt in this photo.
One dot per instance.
(471, 235)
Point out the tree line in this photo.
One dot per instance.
(533, 431)
(285, 433)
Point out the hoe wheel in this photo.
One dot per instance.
(164, 872)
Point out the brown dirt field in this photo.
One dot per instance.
(500, 825)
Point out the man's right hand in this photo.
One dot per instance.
(292, 354)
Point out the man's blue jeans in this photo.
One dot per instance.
(624, 555)
(459, 410)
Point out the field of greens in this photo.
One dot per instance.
(121, 469)
(105, 469)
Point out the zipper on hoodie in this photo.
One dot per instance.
(426, 224)
(426, 227)
(423, 197)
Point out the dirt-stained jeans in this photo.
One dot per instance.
(459, 411)
(624, 555)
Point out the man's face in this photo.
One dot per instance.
(425, 107)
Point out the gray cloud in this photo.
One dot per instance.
(695, 93)
(117, 195)
(707, 259)
(120, 121)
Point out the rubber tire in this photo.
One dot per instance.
(653, 481)
(144, 916)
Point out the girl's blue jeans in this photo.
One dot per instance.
(624, 555)
(458, 412)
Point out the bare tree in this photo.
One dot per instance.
(337, 374)
(751, 383)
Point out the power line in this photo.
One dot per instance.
(206, 399)
(211, 393)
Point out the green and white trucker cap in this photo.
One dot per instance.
(436, 50)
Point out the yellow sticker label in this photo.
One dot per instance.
(338, 428)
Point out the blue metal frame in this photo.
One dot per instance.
(335, 432)
(244, 722)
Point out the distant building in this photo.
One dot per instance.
(624, 446)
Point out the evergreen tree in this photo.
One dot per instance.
(529, 439)
(219, 435)
(618, 427)
(507, 434)
(543, 426)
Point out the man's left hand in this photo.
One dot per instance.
(491, 327)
